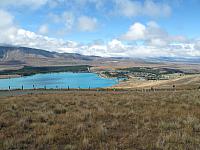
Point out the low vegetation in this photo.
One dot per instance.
(28, 70)
(156, 71)
(146, 73)
(101, 120)
(115, 74)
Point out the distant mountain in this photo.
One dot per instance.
(174, 59)
(11, 55)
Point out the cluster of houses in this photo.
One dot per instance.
(147, 76)
(134, 74)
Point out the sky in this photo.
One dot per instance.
(108, 28)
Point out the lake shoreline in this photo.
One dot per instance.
(19, 76)
(58, 80)
(32, 70)
(10, 76)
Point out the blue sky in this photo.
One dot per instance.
(104, 27)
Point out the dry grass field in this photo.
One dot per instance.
(89, 120)
(181, 82)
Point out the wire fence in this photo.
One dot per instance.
(151, 89)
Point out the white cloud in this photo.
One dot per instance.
(86, 23)
(43, 29)
(11, 34)
(66, 20)
(53, 3)
(128, 8)
(135, 32)
(31, 39)
(132, 8)
(23, 3)
(151, 8)
(157, 42)
(197, 43)
(81, 4)
(7, 27)
(70, 22)
(116, 46)
(6, 19)
(139, 31)
(152, 34)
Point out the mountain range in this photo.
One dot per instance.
(14, 56)
(11, 55)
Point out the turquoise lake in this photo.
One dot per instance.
(58, 80)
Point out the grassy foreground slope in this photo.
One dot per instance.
(101, 120)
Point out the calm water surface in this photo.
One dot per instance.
(58, 80)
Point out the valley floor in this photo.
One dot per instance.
(181, 82)
(101, 120)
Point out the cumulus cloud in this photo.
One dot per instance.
(139, 31)
(7, 27)
(11, 34)
(116, 46)
(152, 34)
(157, 42)
(135, 32)
(76, 11)
(86, 23)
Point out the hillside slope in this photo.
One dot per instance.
(101, 120)
(14, 58)
(36, 57)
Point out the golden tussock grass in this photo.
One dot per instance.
(101, 120)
